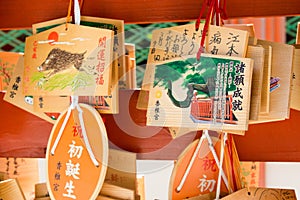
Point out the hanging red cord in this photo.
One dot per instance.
(204, 5)
(222, 9)
(68, 18)
(230, 151)
(214, 9)
(205, 29)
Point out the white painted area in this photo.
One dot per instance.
(156, 176)
(283, 175)
(42, 170)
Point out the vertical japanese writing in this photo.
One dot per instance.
(209, 164)
(217, 88)
(101, 60)
(230, 81)
(72, 169)
(175, 47)
(69, 187)
(192, 46)
(77, 131)
(26, 79)
(160, 39)
(153, 47)
(15, 87)
(168, 43)
(238, 81)
(16, 166)
(224, 96)
(215, 41)
(57, 176)
(41, 102)
(34, 50)
(7, 166)
(233, 40)
(220, 105)
(221, 94)
(156, 110)
(206, 185)
(183, 41)
(75, 151)
(253, 175)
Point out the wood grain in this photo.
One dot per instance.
(10, 189)
(117, 192)
(257, 54)
(295, 88)
(21, 14)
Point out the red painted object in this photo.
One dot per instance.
(24, 135)
(202, 109)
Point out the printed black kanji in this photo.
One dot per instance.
(238, 92)
(18, 79)
(237, 105)
(239, 80)
(15, 86)
(240, 68)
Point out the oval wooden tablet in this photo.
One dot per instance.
(71, 174)
(203, 175)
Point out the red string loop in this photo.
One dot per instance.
(205, 29)
(204, 5)
(215, 9)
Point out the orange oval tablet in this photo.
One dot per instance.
(71, 174)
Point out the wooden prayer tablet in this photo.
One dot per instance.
(213, 93)
(280, 81)
(104, 104)
(265, 90)
(181, 41)
(69, 60)
(257, 53)
(15, 96)
(10, 189)
(70, 170)
(130, 66)
(8, 62)
(117, 26)
(121, 169)
(295, 90)
(203, 174)
(254, 193)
